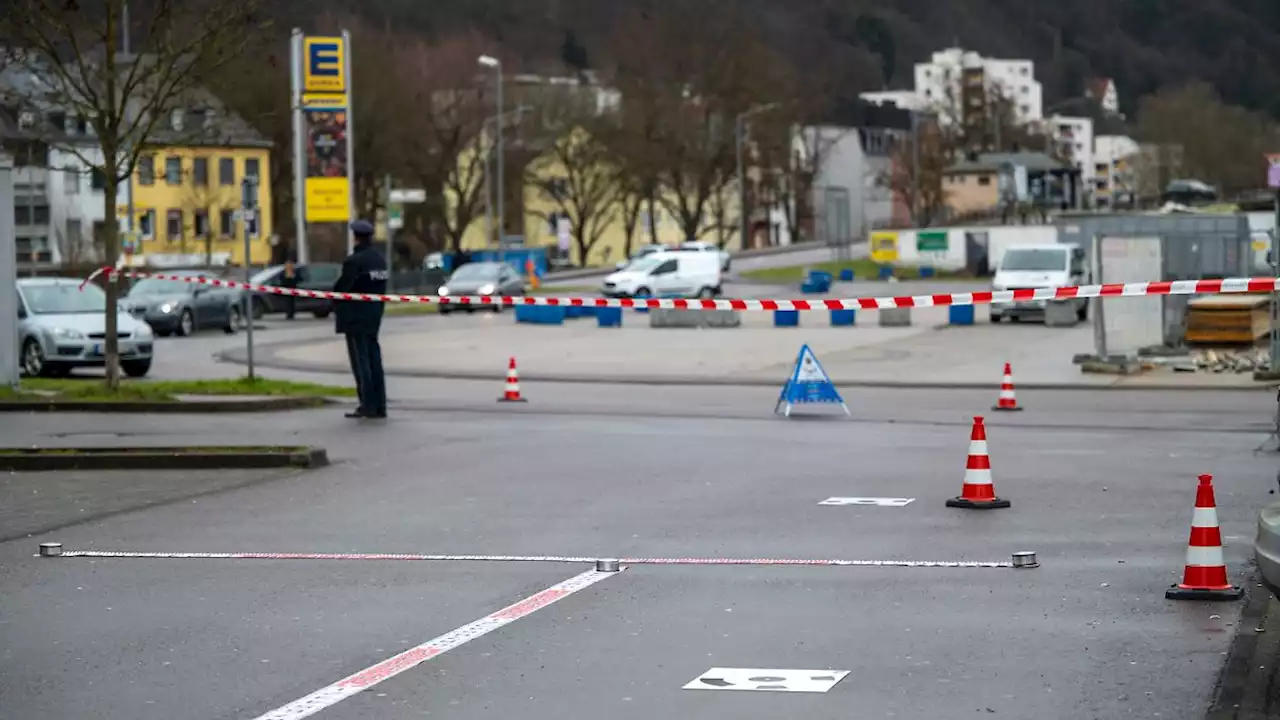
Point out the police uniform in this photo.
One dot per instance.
(363, 272)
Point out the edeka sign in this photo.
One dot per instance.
(324, 65)
(328, 183)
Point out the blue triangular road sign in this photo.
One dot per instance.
(809, 383)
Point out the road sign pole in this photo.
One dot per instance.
(248, 206)
(9, 350)
(299, 150)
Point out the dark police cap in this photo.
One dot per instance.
(362, 228)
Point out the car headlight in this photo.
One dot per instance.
(68, 334)
(443, 291)
(486, 289)
(166, 308)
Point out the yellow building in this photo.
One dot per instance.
(187, 191)
(540, 210)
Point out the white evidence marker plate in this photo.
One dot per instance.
(878, 502)
(809, 681)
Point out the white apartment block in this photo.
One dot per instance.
(902, 99)
(1073, 137)
(1116, 160)
(938, 82)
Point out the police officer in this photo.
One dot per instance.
(364, 271)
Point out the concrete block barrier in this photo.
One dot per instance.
(843, 318)
(1060, 314)
(895, 317)
(670, 318)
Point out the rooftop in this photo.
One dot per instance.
(992, 162)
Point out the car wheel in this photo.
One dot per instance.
(259, 308)
(321, 314)
(643, 292)
(445, 309)
(706, 293)
(33, 363)
(186, 324)
(996, 318)
(163, 333)
(235, 321)
(136, 368)
(1083, 313)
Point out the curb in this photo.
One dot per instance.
(160, 458)
(713, 381)
(191, 407)
(1233, 681)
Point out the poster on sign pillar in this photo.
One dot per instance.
(326, 129)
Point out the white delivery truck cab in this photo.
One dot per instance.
(1040, 266)
(669, 273)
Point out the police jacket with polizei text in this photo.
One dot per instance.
(364, 271)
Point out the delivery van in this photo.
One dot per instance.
(669, 273)
(1040, 266)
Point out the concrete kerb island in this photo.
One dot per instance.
(41, 459)
(189, 406)
(673, 318)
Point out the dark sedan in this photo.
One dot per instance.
(317, 276)
(481, 278)
(178, 307)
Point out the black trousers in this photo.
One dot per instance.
(365, 355)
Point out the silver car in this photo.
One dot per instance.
(481, 278)
(62, 326)
(178, 307)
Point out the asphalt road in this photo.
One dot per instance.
(638, 472)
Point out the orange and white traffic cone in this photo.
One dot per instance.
(978, 492)
(1205, 577)
(1008, 400)
(512, 391)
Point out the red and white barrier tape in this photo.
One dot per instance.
(566, 559)
(1176, 287)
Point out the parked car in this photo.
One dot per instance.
(1267, 547)
(316, 276)
(643, 252)
(481, 278)
(1035, 267)
(178, 307)
(62, 326)
(696, 246)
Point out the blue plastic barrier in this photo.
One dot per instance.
(540, 314)
(927, 272)
(886, 272)
(786, 318)
(575, 311)
(846, 275)
(843, 318)
(609, 317)
(960, 315)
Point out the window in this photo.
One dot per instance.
(75, 235)
(97, 180)
(27, 215)
(984, 180)
(227, 223)
(71, 181)
(252, 167)
(227, 171)
(174, 225)
(666, 268)
(173, 171)
(200, 171)
(147, 225)
(202, 223)
(147, 170)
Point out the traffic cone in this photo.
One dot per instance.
(512, 391)
(1008, 400)
(1205, 577)
(978, 492)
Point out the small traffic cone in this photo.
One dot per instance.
(512, 391)
(1008, 400)
(978, 492)
(1205, 577)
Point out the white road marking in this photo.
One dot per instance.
(810, 681)
(878, 502)
(341, 690)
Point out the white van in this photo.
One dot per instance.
(1039, 266)
(671, 273)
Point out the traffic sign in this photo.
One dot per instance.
(395, 217)
(409, 196)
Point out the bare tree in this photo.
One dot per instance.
(444, 146)
(576, 176)
(922, 192)
(201, 205)
(80, 65)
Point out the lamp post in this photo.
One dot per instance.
(739, 139)
(492, 62)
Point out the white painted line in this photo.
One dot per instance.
(806, 681)
(341, 690)
(878, 502)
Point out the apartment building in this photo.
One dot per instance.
(944, 79)
(1115, 179)
(1074, 143)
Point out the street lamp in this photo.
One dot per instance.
(740, 131)
(488, 185)
(492, 62)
